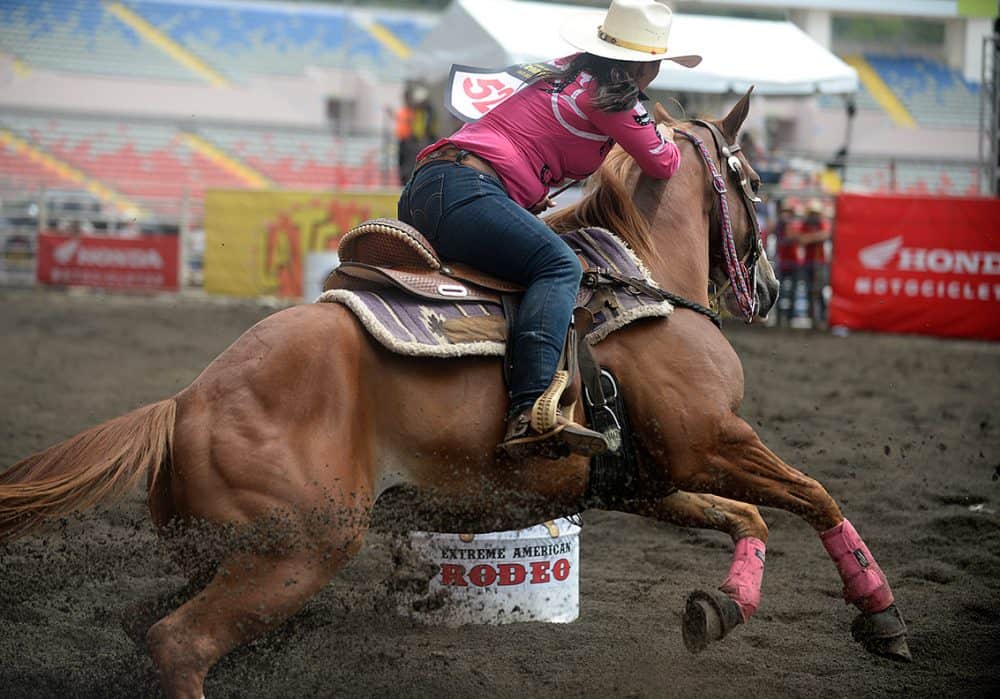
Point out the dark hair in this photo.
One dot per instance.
(616, 87)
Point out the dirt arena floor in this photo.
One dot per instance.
(903, 431)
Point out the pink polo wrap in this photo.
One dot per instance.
(865, 585)
(745, 575)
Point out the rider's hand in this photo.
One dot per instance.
(665, 131)
(542, 206)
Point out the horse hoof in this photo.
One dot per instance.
(892, 648)
(708, 617)
(883, 634)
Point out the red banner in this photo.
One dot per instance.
(917, 265)
(149, 262)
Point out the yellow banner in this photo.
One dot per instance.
(256, 242)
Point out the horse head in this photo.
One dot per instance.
(732, 212)
(766, 282)
(696, 228)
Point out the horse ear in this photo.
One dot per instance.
(737, 115)
(660, 114)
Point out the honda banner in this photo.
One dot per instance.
(149, 262)
(928, 265)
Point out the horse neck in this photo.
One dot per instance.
(678, 215)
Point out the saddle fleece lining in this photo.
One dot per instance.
(417, 327)
(391, 330)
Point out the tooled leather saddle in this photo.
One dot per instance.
(387, 252)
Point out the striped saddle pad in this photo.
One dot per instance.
(421, 327)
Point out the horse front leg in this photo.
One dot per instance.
(733, 462)
(710, 615)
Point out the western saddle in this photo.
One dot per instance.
(386, 252)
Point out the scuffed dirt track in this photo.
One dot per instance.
(903, 431)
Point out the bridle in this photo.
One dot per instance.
(741, 272)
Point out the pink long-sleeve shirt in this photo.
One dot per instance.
(540, 136)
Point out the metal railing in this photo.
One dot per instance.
(989, 116)
(885, 173)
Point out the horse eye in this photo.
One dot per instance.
(755, 186)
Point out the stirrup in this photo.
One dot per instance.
(544, 429)
(545, 411)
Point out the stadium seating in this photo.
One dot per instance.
(913, 178)
(300, 158)
(137, 160)
(236, 40)
(265, 40)
(411, 32)
(19, 172)
(81, 36)
(933, 93)
(863, 100)
(151, 164)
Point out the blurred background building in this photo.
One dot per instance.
(116, 116)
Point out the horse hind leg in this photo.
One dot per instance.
(739, 466)
(250, 594)
(711, 615)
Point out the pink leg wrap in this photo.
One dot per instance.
(743, 583)
(865, 585)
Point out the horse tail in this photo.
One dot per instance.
(101, 463)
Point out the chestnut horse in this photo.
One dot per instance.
(305, 421)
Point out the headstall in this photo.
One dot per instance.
(741, 272)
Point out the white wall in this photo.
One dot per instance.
(874, 134)
(816, 23)
(975, 31)
(297, 101)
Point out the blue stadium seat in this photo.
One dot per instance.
(237, 39)
(81, 36)
(932, 92)
(241, 40)
(408, 31)
(863, 100)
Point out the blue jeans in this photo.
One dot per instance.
(469, 218)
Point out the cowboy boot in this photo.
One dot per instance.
(564, 438)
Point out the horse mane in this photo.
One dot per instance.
(608, 202)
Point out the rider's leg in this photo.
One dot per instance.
(497, 235)
(468, 217)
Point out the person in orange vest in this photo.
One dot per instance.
(414, 128)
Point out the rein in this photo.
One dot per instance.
(740, 271)
(596, 277)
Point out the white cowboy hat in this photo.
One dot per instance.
(633, 30)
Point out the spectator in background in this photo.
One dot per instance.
(812, 236)
(787, 258)
(414, 128)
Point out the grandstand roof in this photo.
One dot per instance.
(909, 8)
(777, 57)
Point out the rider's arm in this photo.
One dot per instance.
(635, 131)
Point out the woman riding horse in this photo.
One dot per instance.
(475, 193)
(286, 441)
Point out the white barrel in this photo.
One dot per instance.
(318, 266)
(497, 578)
